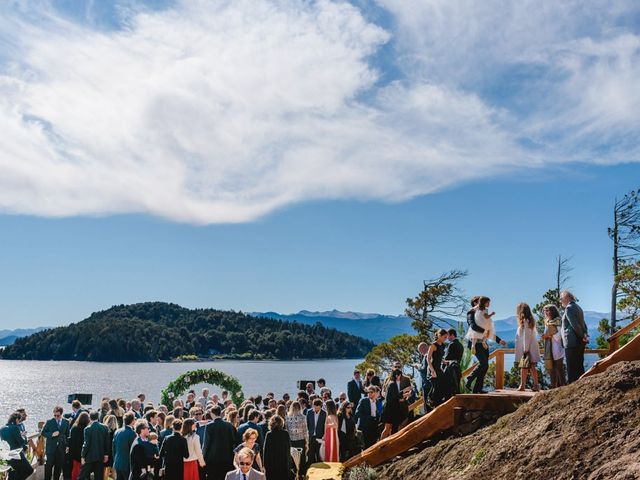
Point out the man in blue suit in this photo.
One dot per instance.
(316, 418)
(368, 417)
(122, 441)
(55, 431)
(254, 418)
(95, 449)
(574, 335)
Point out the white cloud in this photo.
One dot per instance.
(224, 111)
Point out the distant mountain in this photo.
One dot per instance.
(379, 328)
(8, 337)
(156, 331)
(373, 326)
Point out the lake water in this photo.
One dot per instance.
(39, 386)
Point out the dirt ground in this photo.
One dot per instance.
(587, 430)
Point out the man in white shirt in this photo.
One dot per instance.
(244, 470)
(204, 399)
(368, 418)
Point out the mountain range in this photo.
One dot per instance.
(379, 328)
(373, 326)
(8, 337)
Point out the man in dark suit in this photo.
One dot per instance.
(173, 452)
(252, 422)
(219, 442)
(55, 431)
(139, 461)
(315, 425)
(453, 359)
(122, 441)
(355, 389)
(95, 449)
(574, 335)
(368, 417)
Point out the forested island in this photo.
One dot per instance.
(158, 331)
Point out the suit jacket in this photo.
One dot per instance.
(121, 447)
(573, 326)
(252, 475)
(454, 351)
(96, 442)
(219, 441)
(138, 459)
(10, 433)
(363, 414)
(354, 392)
(173, 452)
(58, 443)
(318, 432)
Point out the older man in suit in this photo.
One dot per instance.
(55, 431)
(95, 449)
(316, 418)
(368, 417)
(574, 335)
(122, 441)
(244, 470)
(219, 442)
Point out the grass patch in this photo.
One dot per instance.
(478, 456)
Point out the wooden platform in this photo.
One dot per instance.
(440, 419)
(324, 471)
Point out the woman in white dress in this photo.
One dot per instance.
(527, 349)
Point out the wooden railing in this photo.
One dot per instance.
(614, 340)
(498, 356)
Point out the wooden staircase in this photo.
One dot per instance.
(443, 418)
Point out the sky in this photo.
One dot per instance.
(286, 155)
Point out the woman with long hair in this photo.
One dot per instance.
(435, 354)
(527, 350)
(111, 423)
(395, 408)
(347, 431)
(331, 442)
(553, 349)
(277, 450)
(195, 450)
(76, 439)
(296, 425)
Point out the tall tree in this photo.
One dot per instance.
(552, 296)
(441, 295)
(625, 234)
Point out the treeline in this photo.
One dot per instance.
(157, 331)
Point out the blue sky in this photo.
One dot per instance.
(285, 155)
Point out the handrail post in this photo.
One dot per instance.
(614, 344)
(499, 369)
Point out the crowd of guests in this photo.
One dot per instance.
(210, 438)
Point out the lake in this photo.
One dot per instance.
(39, 386)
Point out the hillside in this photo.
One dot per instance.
(590, 430)
(162, 331)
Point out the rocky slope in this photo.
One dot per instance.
(587, 430)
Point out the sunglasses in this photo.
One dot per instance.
(245, 464)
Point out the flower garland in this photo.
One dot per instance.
(210, 376)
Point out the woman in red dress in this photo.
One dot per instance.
(331, 446)
(195, 452)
